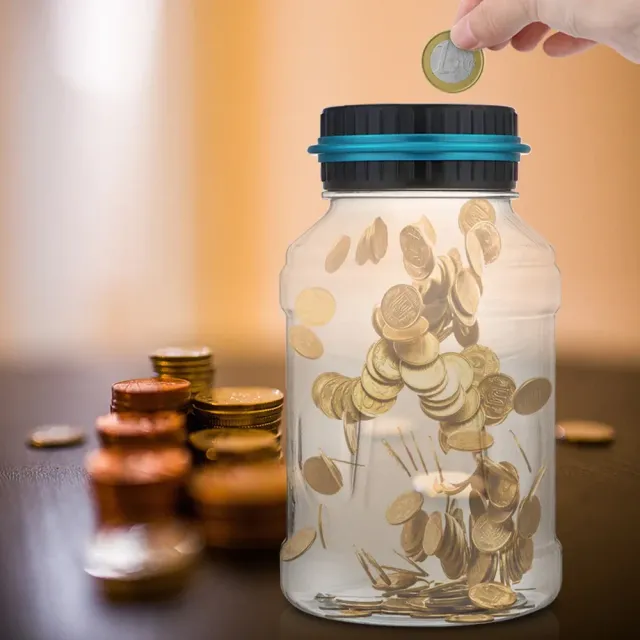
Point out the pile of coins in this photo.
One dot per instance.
(241, 500)
(194, 364)
(141, 547)
(238, 408)
(465, 394)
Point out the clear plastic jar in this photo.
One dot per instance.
(420, 380)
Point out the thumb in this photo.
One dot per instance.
(493, 22)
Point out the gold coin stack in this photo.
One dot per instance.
(241, 499)
(192, 364)
(239, 408)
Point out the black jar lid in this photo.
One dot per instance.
(419, 146)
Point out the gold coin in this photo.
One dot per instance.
(474, 211)
(433, 534)
(492, 595)
(401, 306)
(384, 361)
(369, 406)
(489, 536)
(529, 517)
(305, 342)
(418, 352)
(318, 384)
(406, 335)
(470, 408)
(325, 403)
(483, 361)
(480, 569)
(424, 224)
(490, 241)
(377, 321)
(228, 399)
(362, 250)
(56, 436)
(418, 255)
(502, 484)
(585, 431)
(379, 390)
(467, 439)
(322, 475)
(339, 395)
(298, 544)
(315, 306)
(349, 613)
(466, 292)
(379, 239)
(413, 532)
(496, 391)
(350, 427)
(470, 618)
(463, 369)
(532, 396)
(424, 379)
(338, 254)
(475, 254)
(404, 507)
(477, 505)
(466, 336)
(444, 412)
(448, 68)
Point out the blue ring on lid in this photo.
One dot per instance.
(419, 147)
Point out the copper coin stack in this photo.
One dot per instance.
(241, 498)
(141, 547)
(239, 408)
(194, 364)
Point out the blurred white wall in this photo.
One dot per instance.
(95, 211)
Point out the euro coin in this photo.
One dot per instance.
(338, 254)
(474, 211)
(298, 544)
(448, 68)
(305, 342)
(314, 306)
(56, 436)
(532, 396)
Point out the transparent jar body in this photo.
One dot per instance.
(399, 448)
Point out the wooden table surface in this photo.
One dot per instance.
(46, 519)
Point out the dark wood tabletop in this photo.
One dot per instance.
(46, 519)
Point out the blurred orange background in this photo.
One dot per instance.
(159, 209)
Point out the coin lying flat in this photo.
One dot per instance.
(470, 618)
(338, 254)
(298, 544)
(448, 68)
(492, 595)
(585, 431)
(56, 436)
(532, 396)
(305, 342)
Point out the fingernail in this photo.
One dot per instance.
(462, 36)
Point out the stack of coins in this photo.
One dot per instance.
(150, 395)
(141, 547)
(241, 499)
(240, 408)
(192, 364)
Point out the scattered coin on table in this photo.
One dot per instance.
(56, 436)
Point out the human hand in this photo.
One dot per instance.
(580, 24)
